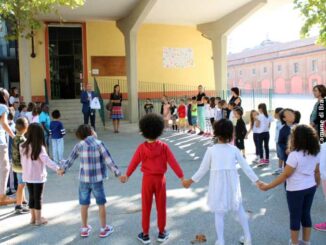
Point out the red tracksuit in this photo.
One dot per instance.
(154, 158)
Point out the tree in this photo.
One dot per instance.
(23, 15)
(314, 13)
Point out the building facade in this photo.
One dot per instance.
(287, 68)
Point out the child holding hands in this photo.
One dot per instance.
(224, 192)
(154, 156)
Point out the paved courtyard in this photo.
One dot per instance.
(187, 212)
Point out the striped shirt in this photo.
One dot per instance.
(57, 130)
(94, 160)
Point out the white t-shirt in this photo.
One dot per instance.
(264, 123)
(303, 176)
(218, 114)
(278, 127)
(208, 111)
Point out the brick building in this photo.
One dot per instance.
(293, 67)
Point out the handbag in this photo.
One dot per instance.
(95, 104)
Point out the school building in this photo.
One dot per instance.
(141, 42)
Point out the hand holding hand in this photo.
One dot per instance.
(262, 185)
(60, 172)
(187, 183)
(123, 179)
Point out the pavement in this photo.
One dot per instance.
(186, 209)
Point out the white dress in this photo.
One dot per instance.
(224, 192)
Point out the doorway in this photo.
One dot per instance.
(66, 61)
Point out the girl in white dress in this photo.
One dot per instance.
(224, 192)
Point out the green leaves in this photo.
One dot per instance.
(23, 15)
(314, 13)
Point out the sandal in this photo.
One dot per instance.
(7, 200)
(43, 221)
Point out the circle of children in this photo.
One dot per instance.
(298, 150)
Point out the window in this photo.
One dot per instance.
(254, 71)
(314, 65)
(265, 69)
(296, 67)
(279, 68)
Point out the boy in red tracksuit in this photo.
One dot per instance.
(154, 156)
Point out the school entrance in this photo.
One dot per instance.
(65, 61)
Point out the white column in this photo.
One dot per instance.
(24, 69)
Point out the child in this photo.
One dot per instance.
(148, 106)
(94, 158)
(218, 112)
(231, 115)
(166, 112)
(35, 115)
(45, 122)
(22, 110)
(224, 193)
(29, 112)
(21, 128)
(182, 115)
(57, 132)
(240, 130)
(212, 110)
(174, 115)
(12, 180)
(154, 156)
(33, 160)
(16, 111)
(322, 226)
(225, 110)
(194, 114)
(208, 124)
(302, 177)
(277, 133)
(263, 124)
(254, 129)
(287, 118)
(189, 105)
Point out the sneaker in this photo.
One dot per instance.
(290, 243)
(256, 160)
(266, 161)
(277, 171)
(162, 237)
(262, 163)
(19, 209)
(243, 241)
(84, 231)
(304, 243)
(108, 230)
(320, 227)
(189, 131)
(144, 238)
(201, 133)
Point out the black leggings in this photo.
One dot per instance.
(263, 139)
(256, 141)
(35, 191)
(299, 203)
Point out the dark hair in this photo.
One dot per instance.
(13, 92)
(30, 106)
(206, 98)
(189, 98)
(218, 98)
(322, 90)
(56, 114)
(35, 140)
(282, 114)
(3, 95)
(304, 138)
(222, 102)
(194, 98)
(21, 124)
(182, 100)
(278, 110)
(10, 116)
(21, 107)
(235, 90)
(83, 131)
(223, 130)
(233, 104)
(262, 106)
(114, 88)
(44, 106)
(238, 110)
(212, 102)
(151, 126)
(36, 111)
(297, 117)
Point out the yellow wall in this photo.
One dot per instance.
(37, 65)
(153, 38)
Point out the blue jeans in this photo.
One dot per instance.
(57, 149)
(85, 190)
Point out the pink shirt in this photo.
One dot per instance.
(35, 171)
(303, 176)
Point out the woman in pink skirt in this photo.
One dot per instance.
(116, 112)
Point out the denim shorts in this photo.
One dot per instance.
(194, 120)
(85, 190)
(280, 153)
(20, 179)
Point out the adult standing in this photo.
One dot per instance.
(86, 97)
(14, 96)
(4, 156)
(318, 114)
(236, 99)
(201, 109)
(116, 112)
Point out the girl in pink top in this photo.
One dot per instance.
(34, 160)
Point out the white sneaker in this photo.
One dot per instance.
(243, 241)
(290, 243)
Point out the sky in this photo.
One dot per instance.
(280, 23)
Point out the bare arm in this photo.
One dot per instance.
(288, 171)
(317, 175)
(5, 125)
